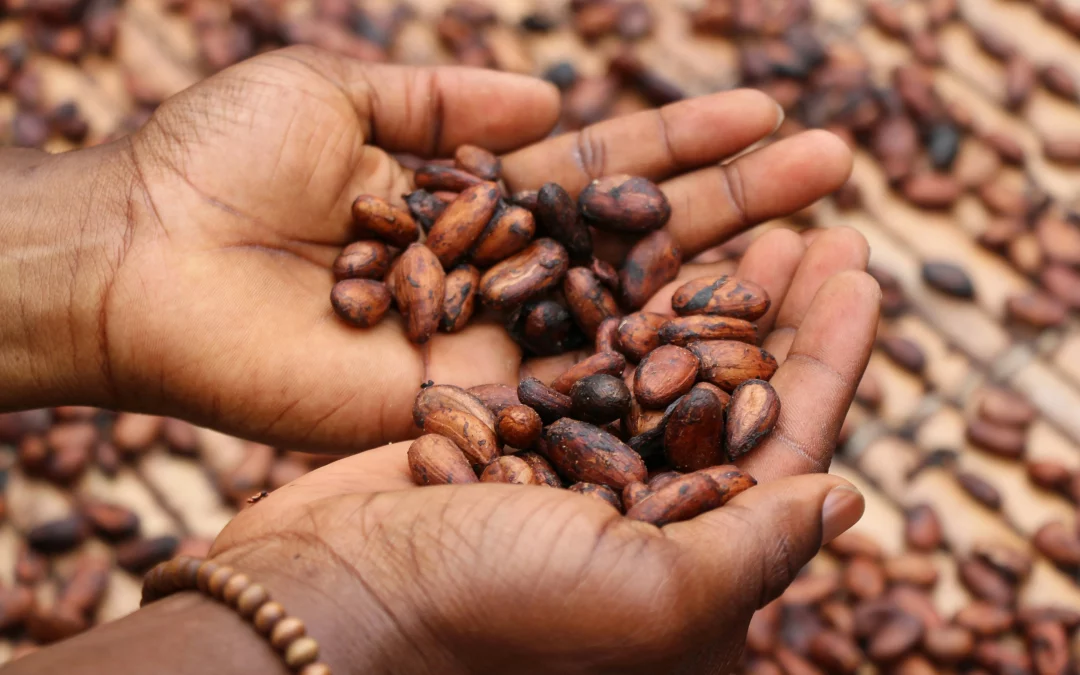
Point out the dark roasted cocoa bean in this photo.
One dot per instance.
(600, 492)
(518, 426)
(545, 328)
(624, 204)
(752, 414)
(895, 143)
(551, 405)
(508, 232)
(1006, 441)
(360, 302)
(558, 217)
(589, 301)
(607, 335)
(449, 397)
(606, 273)
(139, 555)
(984, 582)
(532, 271)
(581, 452)
(509, 469)
(462, 223)
(691, 495)
(727, 364)
(650, 264)
(495, 397)
(601, 363)
(931, 190)
(478, 162)
(418, 285)
(459, 298)
(470, 433)
(639, 334)
(683, 330)
(694, 432)
(721, 295)
(376, 217)
(542, 471)
(58, 536)
(600, 399)
(903, 352)
(424, 207)
(432, 177)
(663, 375)
(980, 490)
(368, 259)
(526, 199)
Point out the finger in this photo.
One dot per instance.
(714, 204)
(431, 111)
(831, 252)
(654, 143)
(817, 381)
(772, 261)
(760, 540)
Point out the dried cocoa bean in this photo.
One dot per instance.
(551, 405)
(903, 352)
(1003, 407)
(526, 199)
(984, 582)
(532, 271)
(542, 471)
(922, 529)
(424, 207)
(509, 469)
(634, 493)
(58, 536)
(721, 295)
(1058, 80)
(472, 434)
(607, 335)
(864, 578)
(930, 190)
(508, 232)
(1064, 283)
(360, 302)
(450, 397)
(895, 143)
(368, 259)
(898, 636)
(600, 492)
(418, 285)
(518, 426)
(752, 414)
(887, 18)
(1000, 657)
(835, 652)
(459, 298)
(639, 334)
(1008, 442)
(1036, 309)
(581, 452)
(949, 644)
(1067, 617)
(624, 204)
(111, 521)
(1058, 543)
(692, 494)
(139, 555)
(589, 301)
(462, 223)
(727, 364)
(558, 217)
(601, 363)
(478, 162)
(16, 603)
(1060, 148)
(1049, 646)
(984, 619)
(1019, 81)
(436, 460)
(980, 490)
(686, 329)
(1009, 151)
(545, 328)
(606, 273)
(599, 399)
(1013, 564)
(376, 217)
(948, 278)
(433, 177)
(86, 588)
(650, 264)
(495, 397)
(1049, 475)
(694, 432)
(665, 374)
(911, 568)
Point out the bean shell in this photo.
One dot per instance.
(425, 208)
(752, 414)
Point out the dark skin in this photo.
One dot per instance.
(198, 286)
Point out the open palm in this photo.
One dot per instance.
(218, 308)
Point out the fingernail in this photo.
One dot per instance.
(843, 507)
(780, 115)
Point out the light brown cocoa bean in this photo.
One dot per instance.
(984, 619)
(838, 615)
(550, 404)
(665, 374)
(368, 259)
(607, 335)
(898, 636)
(495, 396)
(980, 490)
(436, 460)
(911, 568)
(835, 652)
(558, 216)
(376, 217)
(1004, 407)
(887, 18)
(649, 265)
(634, 493)
(518, 426)
(1001, 657)
(435, 177)
(1005, 441)
(139, 555)
(1036, 309)
(1060, 239)
(450, 397)
(542, 471)
(1019, 81)
(922, 529)
(601, 363)
(589, 301)
(984, 582)
(360, 302)
(1066, 616)
(1049, 474)
(1058, 543)
(1013, 563)
(459, 298)
(864, 578)
(930, 190)
(470, 433)
(132, 433)
(462, 223)
(762, 633)
(752, 414)
(599, 399)
(600, 492)
(418, 284)
(534, 270)
(1058, 80)
(425, 207)
(727, 364)
(721, 295)
(508, 232)
(477, 161)
(694, 432)
(811, 588)
(86, 588)
(624, 203)
(904, 352)
(895, 143)
(683, 330)
(948, 644)
(509, 469)
(639, 334)
(581, 452)
(691, 494)
(1061, 148)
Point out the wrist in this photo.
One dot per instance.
(62, 228)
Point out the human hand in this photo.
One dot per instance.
(213, 305)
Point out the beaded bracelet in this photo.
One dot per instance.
(250, 600)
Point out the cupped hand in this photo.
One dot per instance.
(216, 307)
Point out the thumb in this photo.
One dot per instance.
(748, 551)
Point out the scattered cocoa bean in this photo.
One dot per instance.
(898, 636)
(686, 329)
(1058, 543)
(721, 295)
(984, 582)
(418, 285)
(904, 352)
(1013, 564)
(368, 259)
(1006, 441)
(1048, 474)
(691, 495)
(694, 431)
(449, 397)
(558, 217)
(639, 334)
(1049, 647)
(508, 232)
(1058, 80)
(58, 536)
(589, 301)
(984, 619)
(948, 278)
(111, 521)
(836, 653)
(139, 555)
(911, 568)
(949, 644)
(462, 222)
(980, 490)
(1036, 309)
(433, 177)
(922, 529)
(478, 162)
(624, 204)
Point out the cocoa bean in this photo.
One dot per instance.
(518, 426)
(509, 469)
(663, 375)
(599, 492)
(864, 578)
(360, 302)
(999, 657)
(1005, 441)
(376, 217)
(478, 162)
(67, 462)
(459, 298)
(581, 452)
(107, 458)
(58, 536)
(433, 177)
(542, 471)
(601, 363)
(1064, 283)
(551, 405)
(721, 295)
(851, 544)
(949, 644)
(836, 653)
(526, 199)
(691, 495)
(694, 432)
(922, 529)
(993, 43)
(111, 521)
(646, 429)
(686, 329)
(1003, 407)
(599, 399)
(728, 364)
(495, 397)
(634, 493)
(1060, 239)
(545, 328)
(948, 278)
(893, 302)
(139, 555)
(16, 603)
(924, 45)
(1000, 232)
(1049, 647)
(470, 433)
(462, 223)
(639, 334)
(589, 301)
(649, 265)
(86, 588)
(1058, 543)
(980, 490)
(1036, 309)
(752, 414)
(838, 615)
(1011, 152)
(449, 397)
(659, 480)
(895, 143)
(596, 20)
(1058, 80)
(424, 207)
(898, 636)
(1060, 148)
(887, 18)
(607, 335)
(984, 619)
(362, 260)
(932, 190)
(1067, 617)
(558, 217)
(848, 196)
(532, 271)
(793, 664)
(911, 568)
(418, 285)
(436, 460)
(30, 568)
(984, 582)
(1049, 475)
(903, 352)
(1013, 564)
(508, 232)
(1019, 81)
(624, 203)
(606, 273)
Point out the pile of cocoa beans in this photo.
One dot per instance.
(652, 440)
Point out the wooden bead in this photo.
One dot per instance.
(202, 577)
(316, 669)
(251, 599)
(189, 572)
(286, 630)
(301, 652)
(218, 579)
(174, 573)
(234, 587)
(155, 579)
(267, 617)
